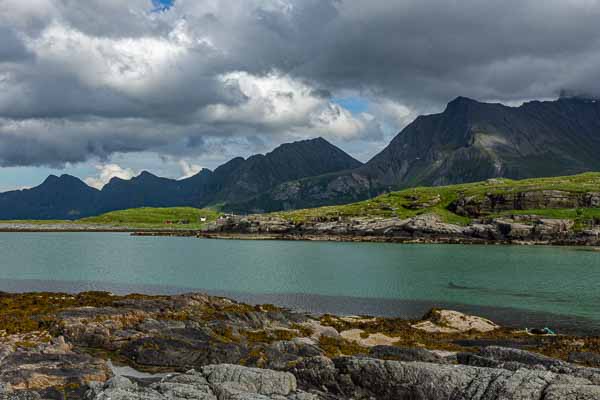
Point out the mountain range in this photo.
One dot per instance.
(469, 141)
(67, 197)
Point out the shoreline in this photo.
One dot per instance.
(157, 232)
(319, 305)
(595, 246)
(85, 228)
(423, 228)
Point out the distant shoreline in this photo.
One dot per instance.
(156, 232)
(371, 239)
(382, 239)
(90, 228)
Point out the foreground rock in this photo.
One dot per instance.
(46, 366)
(210, 383)
(201, 347)
(523, 229)
(364, 378)
(448, 321)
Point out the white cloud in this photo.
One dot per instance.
(397, 113)
(280, 103)
(133, 66)
(106, 172)
(188, 169)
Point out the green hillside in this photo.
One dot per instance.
(438, 200)
(173, 217)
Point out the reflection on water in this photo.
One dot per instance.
(354, 278)
(504, 292)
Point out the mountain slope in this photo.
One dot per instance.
(242, 179)
(64, 197)
(69, 198)
(145, 190)
(470, 141)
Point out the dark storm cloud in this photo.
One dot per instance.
(12, 48)
(88, 79)
(434, 50)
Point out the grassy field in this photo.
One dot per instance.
(411, 202)
(156, 218)
(34, 221)
(139, 218)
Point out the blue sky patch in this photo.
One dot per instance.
(354, 104)
(162, 5)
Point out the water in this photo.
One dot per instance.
(554, 286)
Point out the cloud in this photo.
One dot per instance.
(188, 170)
(12, 48)
(280, 103)
(106, 172)
(84, 80)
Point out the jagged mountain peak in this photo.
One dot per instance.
(146, 176)
(473, 140)
(63, 180)
(461, 100)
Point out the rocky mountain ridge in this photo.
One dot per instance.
(67, 197)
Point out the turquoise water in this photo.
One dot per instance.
(554, 280)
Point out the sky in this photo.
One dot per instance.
(104, 88)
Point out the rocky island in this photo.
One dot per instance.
(427, 228)
(555, 211)
(101, 346)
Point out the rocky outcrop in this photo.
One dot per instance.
(494, 203)
(213, 348)
(365, 378)
(449, 321)
(188, 331)
(222, 382)
(422, 228)
(37, 362)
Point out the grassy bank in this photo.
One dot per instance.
(156, 218)
(174, 218)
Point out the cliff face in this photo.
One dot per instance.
(473, 141)
(495, 203)
(470, 141)
(241, 179)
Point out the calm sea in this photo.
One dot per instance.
(522, 286)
